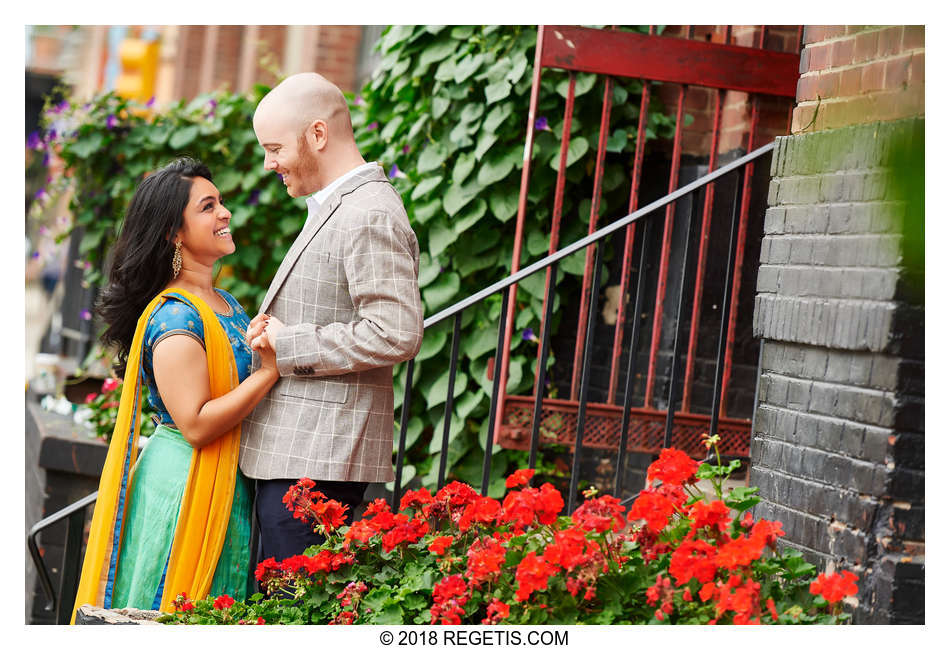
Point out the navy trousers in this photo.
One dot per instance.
(282, 536)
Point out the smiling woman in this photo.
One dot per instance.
(185, 339)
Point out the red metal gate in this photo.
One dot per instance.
(651, 58)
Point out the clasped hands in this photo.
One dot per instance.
(262, 333)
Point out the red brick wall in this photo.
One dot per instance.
(700, 103)
(862, 74)
(338, 52)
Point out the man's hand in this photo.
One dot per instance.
(265, 334)
(256, 327)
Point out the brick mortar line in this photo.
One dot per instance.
(808, 515)
(842, 488)
(835, 301)
(827, 267)
(818, 481)
(834, 419)
(825, 101)
(852, 66)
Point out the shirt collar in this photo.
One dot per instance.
(317, 199)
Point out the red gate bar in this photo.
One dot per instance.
(556, 215)
(629, 236)
(665, 252)
(673, 60)
(592, 226)
(508, 325)
(740, 253)
(701, 261)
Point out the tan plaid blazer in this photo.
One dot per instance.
(348, 292)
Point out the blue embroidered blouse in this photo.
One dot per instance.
(175, 317)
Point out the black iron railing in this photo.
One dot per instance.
(75, 513)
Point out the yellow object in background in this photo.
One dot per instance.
(138, 59)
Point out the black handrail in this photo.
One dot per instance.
(72, 561)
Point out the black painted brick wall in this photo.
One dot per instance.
(838, 436)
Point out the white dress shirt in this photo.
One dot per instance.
(315, 200)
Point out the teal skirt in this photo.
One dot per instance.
(154, 497)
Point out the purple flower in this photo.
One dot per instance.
(395, 172)
(405, 149)
(528, 335)
(212, 103)
(372, 126)
(46, 160)
(34, 141)
(150, 102)
(254, 198)
(51, 135)
(111, 121)
(541, 124)
(40, 194)
(62, 106)
(358, 101)
(85, 314)
(35, 255)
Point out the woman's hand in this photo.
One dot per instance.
(262, 345)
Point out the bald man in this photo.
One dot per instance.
(342, 310)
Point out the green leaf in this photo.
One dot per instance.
(440, 388)
(414, 429)
(462, 32)
(494, 168)
(90, 240)
(425, 186)
(227, 180)
(472, 112)
(86, 146)
(585, 81)
(445, 71)
(432, 344)
(458, 196)
(496, 116)
(464, 165)
(478, 343)
(391, 127)
(617, 141)
(485, 141)
(471, 216)
(467, 67)
(432, 157)
(497, 91)
(575, 151)
(538, 242)
(439, 106)
(428, 269)
(504, 202)
(438, 51)
(442, 291)
(422, 213)
(573, 263)
(183, 137)
(519, 63)
(742, 498)
(440, 238)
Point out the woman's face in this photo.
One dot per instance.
(205, 234)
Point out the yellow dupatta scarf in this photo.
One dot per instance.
(206, 502)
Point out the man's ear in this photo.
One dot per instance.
(320, 133)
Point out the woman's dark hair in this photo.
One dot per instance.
(142, 255)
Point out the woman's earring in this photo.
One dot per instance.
(176, 260)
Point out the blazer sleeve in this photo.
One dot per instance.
(381, 261)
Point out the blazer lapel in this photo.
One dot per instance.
(314, 225)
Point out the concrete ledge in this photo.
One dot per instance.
(89, 615)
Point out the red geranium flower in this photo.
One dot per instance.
(601, 514)
(739, 552)
(485, 559)
(223, 601)
(715, 515)
(415, 499)
(693, 559)
(266, 569)
(673, 466)
(482, 510)
(359, 531)
(532, 575)
(497, 610)
(653, 507)
(519, 477)
(767, 531)
(439, 544)
(835, 586)
(405, 531)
